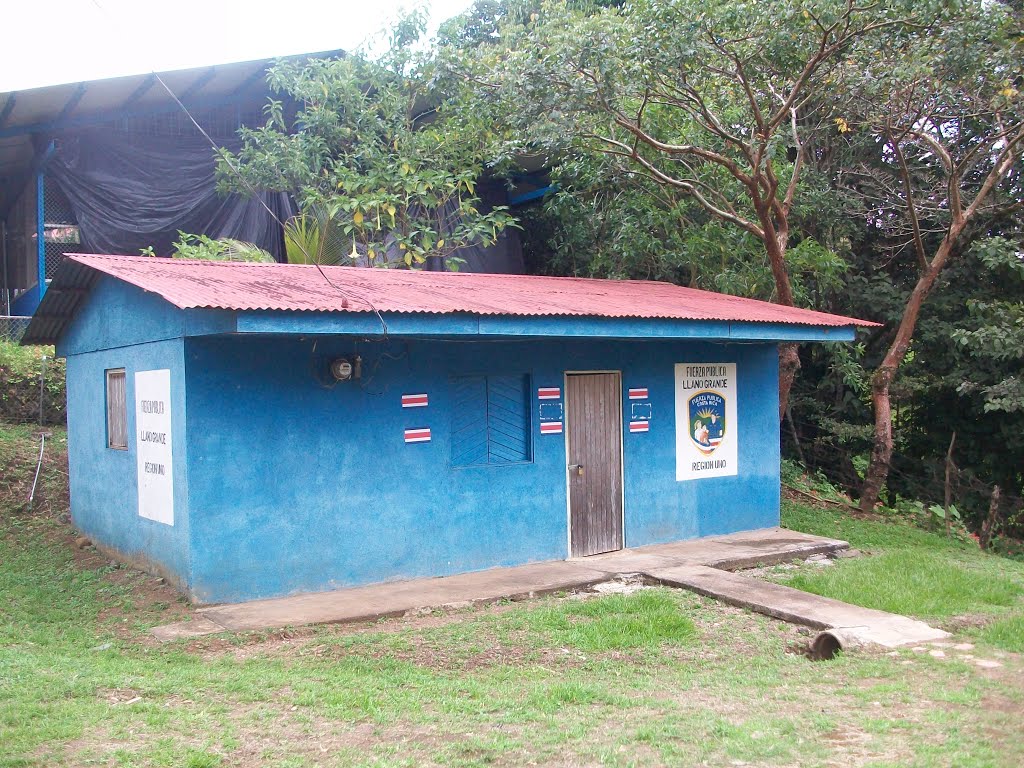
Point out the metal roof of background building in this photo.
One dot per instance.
(244, 287)
(29, 118)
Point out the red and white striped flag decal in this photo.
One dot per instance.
(639, 426)
(414, 401)
(417, 435)
(638, 393)
(549, 393)
(551, 427)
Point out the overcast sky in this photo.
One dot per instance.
(90, 39)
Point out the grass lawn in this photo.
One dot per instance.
(652, 677)
(914, 572)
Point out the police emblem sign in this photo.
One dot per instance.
(705, 420)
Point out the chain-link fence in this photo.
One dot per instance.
(60, 227)
(13, 328)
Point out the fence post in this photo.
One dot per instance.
(949, 489)
(40, 236)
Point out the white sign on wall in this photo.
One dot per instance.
(153, 445)
(706, 429)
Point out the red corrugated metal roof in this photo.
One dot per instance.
(287, 287)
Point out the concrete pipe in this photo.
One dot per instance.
(830, 642)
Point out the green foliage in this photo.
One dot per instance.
(930, 516)
(606, 222)
(22, 369)
(876, 534)
(316, 236)
(796, 476)
(205, 248)
(19, 454)
(961, 378)
(369, 152)
(938, 99)
(995, 340)
(629, 232)
(667, 130)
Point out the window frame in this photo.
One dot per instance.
(110, 375)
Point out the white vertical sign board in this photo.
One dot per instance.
(153, 445)
(706, 429)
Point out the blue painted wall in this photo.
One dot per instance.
(117, 315)
(462, 324)
(104, 488)
(299, 485)
(286, 481)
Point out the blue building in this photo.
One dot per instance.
(254, 430)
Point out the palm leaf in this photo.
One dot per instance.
(315, 236)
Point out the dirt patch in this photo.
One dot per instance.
(1001, 703)
(956, 624)
(302, 641)
(264, 733)
(297, 641)
(147, 596)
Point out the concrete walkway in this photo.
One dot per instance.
(864, 624)
(699, 565)
(739, 550)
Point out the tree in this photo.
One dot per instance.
(941, 105)
(712, 101)
(364, 146)
(605, 221)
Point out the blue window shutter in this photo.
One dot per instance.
(469, 420)
(508, 419)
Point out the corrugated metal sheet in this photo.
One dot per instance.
(295, 288)
(67, 292)
(51, 110)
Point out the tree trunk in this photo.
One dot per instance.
(881, 448)
(776, 240)
(789, 365)
(881, 382)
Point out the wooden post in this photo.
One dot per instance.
(989, 527)
(949, 491)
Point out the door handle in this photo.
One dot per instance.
(577, 468)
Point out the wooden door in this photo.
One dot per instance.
(593, 415)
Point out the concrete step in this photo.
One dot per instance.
(400, 597)
(792, 605)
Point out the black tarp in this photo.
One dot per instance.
(131, 190)
(505, 257)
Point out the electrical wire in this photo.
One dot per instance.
(252, 191)
(39, 466)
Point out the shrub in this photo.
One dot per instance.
(21, 369)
